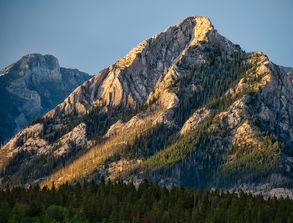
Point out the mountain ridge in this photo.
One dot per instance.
(35, 84)
(185, 107)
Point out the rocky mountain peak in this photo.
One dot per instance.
(35, 59)
(130, 81)
(35, 69)
(30, 87)
(197, 26)
(202, 27)
(186, 106)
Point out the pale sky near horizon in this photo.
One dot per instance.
(92, 34)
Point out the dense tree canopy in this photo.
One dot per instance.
(121, 202)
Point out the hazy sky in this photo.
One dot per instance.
(92, 34)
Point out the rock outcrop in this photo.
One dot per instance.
(30, 87)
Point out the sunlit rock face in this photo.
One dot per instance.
(130, 80)
(186, 106)
(32, 86)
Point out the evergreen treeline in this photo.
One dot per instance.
(121, 202)
(222, 72)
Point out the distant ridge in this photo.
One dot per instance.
(30, 87)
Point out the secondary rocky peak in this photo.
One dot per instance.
(35, 68)
(36, 59)
(30, 87)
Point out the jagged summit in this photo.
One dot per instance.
(131, 79)
(197, 26)
(186, 106)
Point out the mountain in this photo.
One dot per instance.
(31, 87)
(287, 69)
(186, 107)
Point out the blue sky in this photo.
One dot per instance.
(92, 34)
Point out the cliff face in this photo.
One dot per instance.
(30, 87)
(186, 106)
(130, 80)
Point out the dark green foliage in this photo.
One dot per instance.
(120, 202)
(203, 163)
(98, 120)
(148, 143)
(213, 79)
(180, 149)
(191, 155)
(250, 163)
(26, 166)
(222, 73)
(57, 213)
(197, 160)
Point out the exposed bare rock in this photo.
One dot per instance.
(276, 104)
(114, 129)
(75, 139)
(30, 87)
(130, 80)
(197, 117)
(281, 192)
